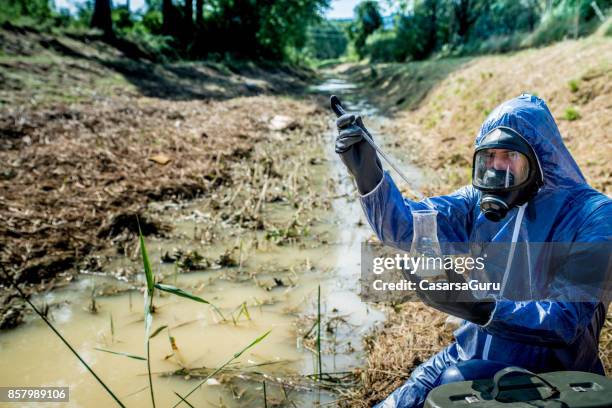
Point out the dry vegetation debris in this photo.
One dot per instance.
(75, 177)
(89, 137)
(411, 334)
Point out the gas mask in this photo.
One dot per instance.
(506, 171)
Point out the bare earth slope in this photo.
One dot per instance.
(574, 78)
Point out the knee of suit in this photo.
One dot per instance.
(471, 370)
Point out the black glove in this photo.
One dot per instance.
(462, 304)
(357, 154)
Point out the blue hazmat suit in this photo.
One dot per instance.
(540, 335)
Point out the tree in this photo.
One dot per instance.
(102, 17)
(122, 18)
(40, 10)
(168, 17)
(423, 30)
(466, 12)
(188, 15)
(326, 39)
(199, 13)
(367, 20)
(430, 11)
(283, 24)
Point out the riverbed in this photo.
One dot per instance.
(259, 279)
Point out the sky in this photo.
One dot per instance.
(72, 4)
(338, 9)
(341, 9)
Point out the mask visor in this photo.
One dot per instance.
(500, 169)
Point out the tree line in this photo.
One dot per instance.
(421, 28)
(296, 29)
(249, 29)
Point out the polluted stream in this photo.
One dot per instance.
(259, 279)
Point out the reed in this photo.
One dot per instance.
(320, 367)
(151, 286)
(66, 343)
(180, 292)
(120, 353)
(112, 328)
(148, 317)
(234, 357)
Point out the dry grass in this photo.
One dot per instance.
(89, 138)
(571, 75)
(77, 176)
(410, 335)
(576, 74)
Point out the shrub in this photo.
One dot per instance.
(571, 114)
(560, 25)
(608, 29)
(573, 85)
(492, 45)
(382, 46)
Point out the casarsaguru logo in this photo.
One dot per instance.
(472, 285)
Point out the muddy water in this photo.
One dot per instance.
(277, 283)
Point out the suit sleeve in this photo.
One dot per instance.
(389, 214)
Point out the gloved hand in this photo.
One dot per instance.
(459, 303)
(357, 154)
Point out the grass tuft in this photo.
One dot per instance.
(571, 114)
(573, 85)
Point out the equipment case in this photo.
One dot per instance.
(515, 387)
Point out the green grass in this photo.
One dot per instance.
(573, 85)
(151, 286)
(112, 328)
(242, 309)
(320, 367)
(235, 356)
(148, 305)
(571, 114)
(404, 85)
(120, 353)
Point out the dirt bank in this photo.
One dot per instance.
(442, 103)
(89, 137)
(445, 101)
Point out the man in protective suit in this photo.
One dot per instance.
(526, 188)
